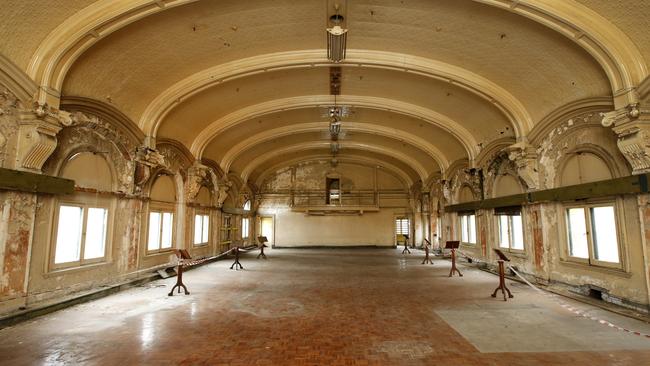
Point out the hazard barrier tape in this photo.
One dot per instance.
(565, 305)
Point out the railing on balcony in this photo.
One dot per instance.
(335, 198)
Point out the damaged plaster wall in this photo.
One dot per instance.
(545, 256)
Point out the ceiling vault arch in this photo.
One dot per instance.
(231, 155)
(614, 51)
(509, 105)
(250, 167)
(237, 117)
(404, 177)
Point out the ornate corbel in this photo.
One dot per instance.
(198, 175)
(146, 160)
(632, 126)
(36, 136)
(525, 158)
(223, 192)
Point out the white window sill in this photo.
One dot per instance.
(616, 271)
(80, 268)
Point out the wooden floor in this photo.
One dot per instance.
(325, 307)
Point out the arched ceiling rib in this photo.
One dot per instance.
(617, 55)
(365, 118)
(514, 110)
(251, 166)
(320, 127)
(432, 117)
(353, 159)
(354, 140)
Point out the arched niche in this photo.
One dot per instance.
(163, 189)
(204, 197)
(465, 194)
(584, 167)
(506, 185)
(89, 170)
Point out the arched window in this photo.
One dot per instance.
(509, 219)
(161, 214)
(246, 222)
(82, 220)
(506, 185)
(584, 167)
(592, 227)
(202, 218)
(465, 195)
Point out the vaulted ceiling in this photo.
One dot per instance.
(247, 83)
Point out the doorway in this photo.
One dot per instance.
(266, 229)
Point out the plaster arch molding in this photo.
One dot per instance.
(255, 163)
(233, 119)
(614, 51)
(231, 155)
(512, 108)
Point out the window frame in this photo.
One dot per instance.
(399, 226)
(461, 228)
(245, 232)
(203, 214)
(511, 238)
(591, 261)
(160, 207)
(81, 201)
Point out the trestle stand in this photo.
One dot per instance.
(262, 251)
(179, 281)
(502, 282)
(427, 258)
(453, 264)
(236, 265)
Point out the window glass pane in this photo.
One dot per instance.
(154, 231)
(245, 229)
(68, 238)
(206, 228)
(605, 241)
(402, 226)
(517, 233)
(167, 225)
(95, 243)
(504, 240)
(578, 246)
(464, 229)
(472, 228)
(198, 225)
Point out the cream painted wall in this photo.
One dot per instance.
(296, 229)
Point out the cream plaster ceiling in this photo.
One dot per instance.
(495, 68)
(372, 119)
(24, 24)
(483, 120)
(353, 139)
(631, 16)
